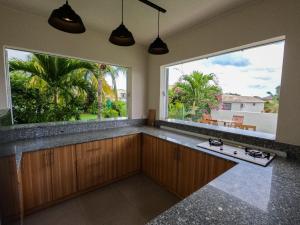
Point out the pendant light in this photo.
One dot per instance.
(65, 19)
(158, 47)
(121, 36)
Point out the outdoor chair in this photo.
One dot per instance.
(237, 121)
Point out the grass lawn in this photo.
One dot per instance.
(86, 116)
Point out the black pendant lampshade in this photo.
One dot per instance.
(65, 19)
(121, 36)
(158, 47)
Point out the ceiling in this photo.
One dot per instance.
(141, 20)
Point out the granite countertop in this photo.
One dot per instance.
(245, 194)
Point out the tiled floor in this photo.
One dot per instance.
(133, 201)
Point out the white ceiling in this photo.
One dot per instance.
(141, 20)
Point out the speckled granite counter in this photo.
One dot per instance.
(245, 194)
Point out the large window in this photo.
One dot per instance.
(239, 89)
(46, 88)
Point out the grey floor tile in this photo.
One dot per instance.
(132, 201)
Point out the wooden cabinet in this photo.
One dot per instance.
(159, 161)
(191, 171)
(95, 163)
(149, 156)
(180, 169)
(216, 166)
(167, 156)
(196, 169)
(10, 205)
(127, 154)
(48, 175)
(51, 175)
(63, 168)
(36, 178)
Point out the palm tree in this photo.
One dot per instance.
(197, 91)
(103, 88)
(272, 105)
(113, 72)
(61, 77)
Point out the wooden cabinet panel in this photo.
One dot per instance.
(191, 171)
(9, 189)
(196, 169)
(149, 156)
(127, 154)
(63, 167)
(215, 167)
(167, 154)
(36, 178)
(94, 163)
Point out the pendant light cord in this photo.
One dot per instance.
(122, 10)
(158, 23)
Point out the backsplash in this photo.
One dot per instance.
(20, 132)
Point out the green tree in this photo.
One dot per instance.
(272, 105)
(197, 92)
(60, 79)
(113, 72)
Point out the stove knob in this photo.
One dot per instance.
(221, 148)
(235, 152)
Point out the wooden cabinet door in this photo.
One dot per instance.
(10, 205)
(94, 163)
(167, 154)
(149, 156)
(63, 167)
(196, 169)
(191, 171)
(215, 167)
(127, 152)
(36, 178)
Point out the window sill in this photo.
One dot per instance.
(213, 129)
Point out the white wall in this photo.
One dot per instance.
(259, 20)
(27, 31)
(248, 107)
(264, 122)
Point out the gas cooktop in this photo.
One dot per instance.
(248, 154)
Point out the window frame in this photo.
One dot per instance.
(8, 85)
(163, 110)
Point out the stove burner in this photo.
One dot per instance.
(215, 142)
(257, 154)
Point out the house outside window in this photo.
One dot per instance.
(217, 89)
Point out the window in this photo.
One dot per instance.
(243, 83)
(226, 106)
(47, 88)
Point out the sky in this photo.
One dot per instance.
(23, 55)
(249, 72)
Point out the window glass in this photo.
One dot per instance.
(46, 88)
(244, 84)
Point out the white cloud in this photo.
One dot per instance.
(264, 70)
